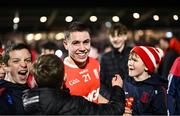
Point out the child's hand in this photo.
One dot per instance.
(117, 81)
(128, 112)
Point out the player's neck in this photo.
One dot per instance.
(73, 62)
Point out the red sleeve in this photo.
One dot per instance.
(175, 69)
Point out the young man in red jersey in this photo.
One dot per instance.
(81, 71)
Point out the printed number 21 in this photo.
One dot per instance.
(86, 77)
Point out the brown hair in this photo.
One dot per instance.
(118, 28)
(48, 71)
(76, 26)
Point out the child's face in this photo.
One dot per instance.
(136, 66)
(118, 40)
(2, 71)
(19, 65)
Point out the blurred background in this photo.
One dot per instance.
(38, 21)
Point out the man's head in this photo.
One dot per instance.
(48, 71)
(164, 43)
(17, 57)
(118, 35)
(48, 48)
(77, 42)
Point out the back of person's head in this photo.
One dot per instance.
(164, 43)
(12, 47)
(49, 45)
(118, 29)
(151, 56)
(76, 26)
(48, 71)
(166, 39)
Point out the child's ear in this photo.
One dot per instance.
(145, 69)
(8, 74)
(7, 69)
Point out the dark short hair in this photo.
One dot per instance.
(12, 47)
(50, 45)
(76, 26)
(48, 71)
(166, 39)
(118, 28)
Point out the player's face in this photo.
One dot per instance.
(78, 46)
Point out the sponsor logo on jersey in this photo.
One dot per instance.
(73, 82)
(92, 96)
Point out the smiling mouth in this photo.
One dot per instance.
(23, 73)
(131, 69)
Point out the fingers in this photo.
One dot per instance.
(128, 112)
(116, 77)
(116, 80)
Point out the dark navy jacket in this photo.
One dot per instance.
(173, 91)
(113, 63)
(174, 95)
(149, 96)
(11, 98)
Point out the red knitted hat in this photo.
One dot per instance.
(150, 56)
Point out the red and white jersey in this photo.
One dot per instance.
(83, 82)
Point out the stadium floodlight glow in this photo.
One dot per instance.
(16, 20)
(169, 34)
(175, 17)
(30, 37)
(108, 24)
(93, 18)
(59, 53)
(59, 36)
(38, 36)
(156, 17)
(69, 19)
(136, 15)
(15, 26)
(115, 19)
(43, 19)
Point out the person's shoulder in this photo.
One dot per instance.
(127, 48)
(93, 61)
(2, 82)
(6, 84)
(175, 69)
(107, 55)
